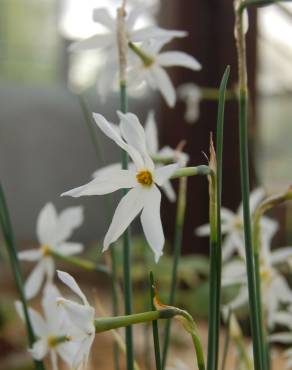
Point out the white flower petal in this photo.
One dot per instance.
(81, 356)
(285, 337)
(39, 349)
(178, 58)
(69, 219)
(102, 16)
(47, 224)
(227, 215)
(82, 316)
(154, 32)
(128, 208)
(239, 300)
(49, 265)
(105, 184)
(163, 83)
(151, 133)
(93, 42)
(134, 134)
(162, 174)
(71, 283)
(38, 323)
(54, 361)
(30, 255)
(203, 230)
(107, 129)
(151, 221)
(169, 191)
(281, 255)
(35, 279)
(69, 249)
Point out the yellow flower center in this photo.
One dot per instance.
(54, 341)
(145, 178)
(45, 250)
(265, 274)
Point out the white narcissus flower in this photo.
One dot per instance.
(108, 42)
(191, 94)
(152, 146)
(150, 66)
(275, 289)
(144, 195)
(52, 231)
(232, 226)
(81, 316)
(53, 332)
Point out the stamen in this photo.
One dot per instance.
(145, 178)
(45, 250)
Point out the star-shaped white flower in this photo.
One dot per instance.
(143, 196)
(191, 94)
(151, 69)
(52, 231)
(108, 42)
(275, 289)
(81, 316)
(232, 226)
(54, 333)
(163, 154)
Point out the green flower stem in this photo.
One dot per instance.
(254, 294)
(81, 263)
(145, 58)
(100, 158)
(262, 208)
(15, 266)
(155, 326)
(126, 250)
(259, 3)
(109, 323)
(209, 93)
(192, 171)
(215, 234)
(179, 224)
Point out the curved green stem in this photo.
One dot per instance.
(180, 216)
(12, 252)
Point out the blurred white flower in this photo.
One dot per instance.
(52, 231)
(152, 146)
(178, 365)
(144, 194)
(275, 289)
(191, 94)
(150, 66)
(232, 226)
(53, 332)
(81, 317)
(108, 42)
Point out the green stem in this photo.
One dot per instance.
(15, 266)
(126, 250)
(259, 3)
(100, 158)
(215, 235)
(180, 216)
(109, 323)
(80, 262)
(155, 326)
(192, 171)
(254, 294)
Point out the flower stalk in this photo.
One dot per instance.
(215, 191)
(254, 294)
(8, 235)
(179, 224)
(155, 326)
(123, 51)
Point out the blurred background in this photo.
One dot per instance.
(45, 145)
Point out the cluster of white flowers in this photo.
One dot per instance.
(146, 61)
(67, 328)
(275, 289)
